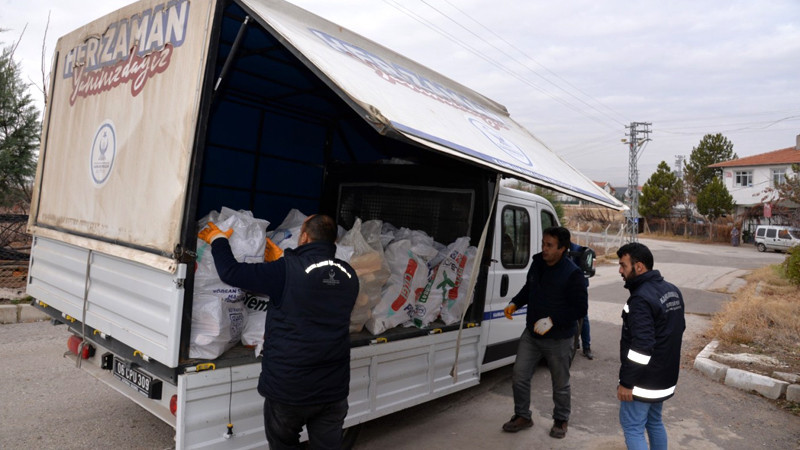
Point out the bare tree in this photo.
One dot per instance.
(44, 55)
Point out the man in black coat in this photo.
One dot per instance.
(650, 347)
(305, 370)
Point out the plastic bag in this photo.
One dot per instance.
(372, 271)
(217, 323)
(218, 312)
(254, 328)
(409, 276)
(445, 278)
(458, 266)
(288, 232)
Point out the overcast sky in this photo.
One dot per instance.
(573, 72)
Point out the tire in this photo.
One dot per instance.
(761, 247)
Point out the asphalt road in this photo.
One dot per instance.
(49, 404)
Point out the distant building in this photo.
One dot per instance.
(606, 186)
(748, 178)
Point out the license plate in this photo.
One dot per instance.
(137, 379)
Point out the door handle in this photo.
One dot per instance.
(504, 285)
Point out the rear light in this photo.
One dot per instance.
(74, 342)
(173, 405)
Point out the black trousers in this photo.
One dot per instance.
(283, 424)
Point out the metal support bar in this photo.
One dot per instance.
(232, 54)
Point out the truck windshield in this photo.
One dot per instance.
(795, 233)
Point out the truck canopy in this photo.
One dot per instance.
(404, 99)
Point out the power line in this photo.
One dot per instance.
(728, 116)
(490, 60)
(745, 126)
(521, 63)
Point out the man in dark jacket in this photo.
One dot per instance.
(305, 370)
(556, 296)
(650, 348)
(576, 253)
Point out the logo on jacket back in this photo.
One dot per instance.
(331, 280)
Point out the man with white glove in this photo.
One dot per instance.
(556, 296)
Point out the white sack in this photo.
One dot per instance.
(218, 312)
(253, 333)
(288, 232)
(409, 276)
(445, 279)
(454, 301)
(217, 324)
(371, 268)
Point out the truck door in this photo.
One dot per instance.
(511, 255)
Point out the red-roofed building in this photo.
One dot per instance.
(606, 186)
(748, 178)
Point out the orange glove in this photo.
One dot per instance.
(212, 232)
(510, 310)
(272, 252)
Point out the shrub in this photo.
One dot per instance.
(791, 265)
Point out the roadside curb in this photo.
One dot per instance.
(21, 314)
(783, 385)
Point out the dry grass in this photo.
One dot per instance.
(762, 318)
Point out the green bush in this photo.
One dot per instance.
(791, 265)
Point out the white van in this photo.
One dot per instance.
(776, 237)
(167, 109)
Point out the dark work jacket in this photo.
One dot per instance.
(558, 292)
(652, 330)
(307, 341)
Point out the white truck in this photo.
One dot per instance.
(167, 109)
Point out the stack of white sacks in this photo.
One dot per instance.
(406, 278)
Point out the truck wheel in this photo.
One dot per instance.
(761, 247)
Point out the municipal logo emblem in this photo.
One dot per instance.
(103, 153)
(509, 148)
(331, 280)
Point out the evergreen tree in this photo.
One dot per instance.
(712, 149)
(19, 134)
(714, 200)
(660, 193)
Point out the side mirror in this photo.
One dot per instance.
(588, 263)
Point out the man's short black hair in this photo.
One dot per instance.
(320, 227)
(561, 234)
(638, 253)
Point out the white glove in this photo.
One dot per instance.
(542, 326)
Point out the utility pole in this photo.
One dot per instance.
(684, 193)
(639, 136)
(679, 166)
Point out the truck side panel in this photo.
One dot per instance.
(205, 400)
(384, 378)
(130, 302)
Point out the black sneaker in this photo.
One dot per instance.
(517, 423)
(587, 352)
(559, 429)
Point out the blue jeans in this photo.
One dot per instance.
(283, 424)
(557, 353)
(635, 417)
(586, 338)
